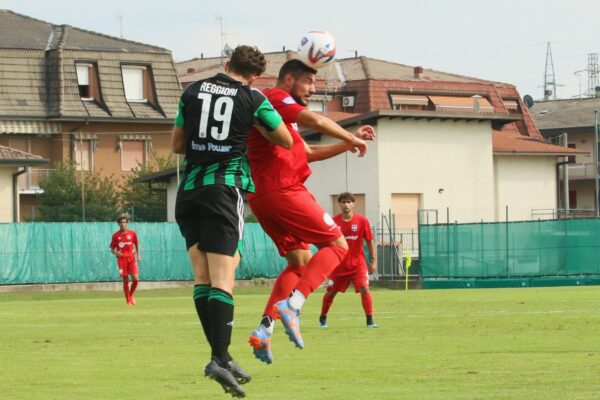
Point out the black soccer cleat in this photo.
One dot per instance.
(224, 377)
(241, 376)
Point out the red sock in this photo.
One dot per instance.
(133, 286)
(126, 288)
(286, 281)
(318, 268)
(367, 302)
(327, 302)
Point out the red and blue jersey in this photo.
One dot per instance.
(124, 242)
(355, 231)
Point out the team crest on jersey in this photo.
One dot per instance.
(354, 228)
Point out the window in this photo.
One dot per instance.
(409, 102)
(462, 104)
(316, 105)
(137, 83)
(87, 81)
(83, 154)
(571, 159)
(133, 153)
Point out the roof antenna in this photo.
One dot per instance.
(119, 18)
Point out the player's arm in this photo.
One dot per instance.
(373, 254)
(280, 136)
(178, 135)
(318, 152)
(328, 127)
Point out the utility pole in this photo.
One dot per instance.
(596, 164)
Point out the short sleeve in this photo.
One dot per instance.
(113, 243)
(368, 232)
(179, 116)
(287, 107)
(266, 115)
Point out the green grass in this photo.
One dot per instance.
(433, 344)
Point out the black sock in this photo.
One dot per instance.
(369, 320)
(201, 293)
(220, 307)
(266, 321)
(322, 319)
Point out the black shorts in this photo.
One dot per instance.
(213, 217)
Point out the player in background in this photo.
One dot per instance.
(356, 229)
(287, 211)
(125, 246)
(211, 128)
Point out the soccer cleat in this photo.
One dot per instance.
(241, 376)
(322, 322)
(260, 340)
(372, 325)
(291, 321)
(224, 377)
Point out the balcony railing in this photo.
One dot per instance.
(581, 171)
(30, 181)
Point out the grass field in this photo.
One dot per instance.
(433, 344)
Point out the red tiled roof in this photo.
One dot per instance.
(513, 142)
(8, 155)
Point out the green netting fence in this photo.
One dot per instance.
(78, 252)
(554, 248)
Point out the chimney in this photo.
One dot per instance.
(418, 72)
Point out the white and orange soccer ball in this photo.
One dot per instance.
(316, 49)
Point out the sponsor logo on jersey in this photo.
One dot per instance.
(294, 126)
(218, 148)
(355, 237)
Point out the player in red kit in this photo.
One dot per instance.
(287, 211)
(356, 229)
(125, 246)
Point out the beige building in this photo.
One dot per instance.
(67, 94)
(13, 163)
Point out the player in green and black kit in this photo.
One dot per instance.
(211, 128)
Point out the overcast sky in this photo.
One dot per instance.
(497, 40)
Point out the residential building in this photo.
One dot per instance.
(71, 95)
(13, 163)
(571, 123)
(449, 147)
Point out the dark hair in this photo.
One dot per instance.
(247, 61)
(123, 216)
(345, 196)
(294, 67)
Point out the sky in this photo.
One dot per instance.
(503, 41)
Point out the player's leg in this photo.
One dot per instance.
(133, 271)
(260, 338)
(326, 306)
(367, 303)
(202, 288)
(124, 273)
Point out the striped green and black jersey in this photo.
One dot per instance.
(216, 115)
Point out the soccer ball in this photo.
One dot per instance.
(316, 49)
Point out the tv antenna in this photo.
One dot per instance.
(119, 18)
(593, 73)
(220, 19)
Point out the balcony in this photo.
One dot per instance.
(29, 182)
(581, 171)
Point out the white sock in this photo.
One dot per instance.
(296, 300)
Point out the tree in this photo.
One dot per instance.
(146, 202)
(61, 200)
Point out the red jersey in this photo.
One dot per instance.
(124, 242)
(355, 231)
(273, 167)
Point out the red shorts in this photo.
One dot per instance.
(127, 266)
(340, 282)
(293, 219)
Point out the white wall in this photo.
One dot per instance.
(421, 156)
(6, 194)
(347, 172)
(171, 196)
(524, 183)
